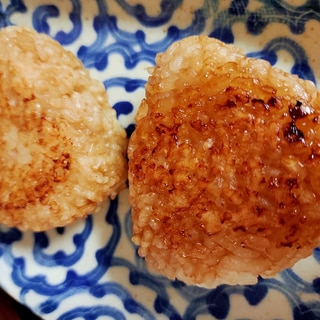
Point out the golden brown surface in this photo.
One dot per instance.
(224, 166)
(62, 151)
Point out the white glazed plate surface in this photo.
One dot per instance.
(90, 269)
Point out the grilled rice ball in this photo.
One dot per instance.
(62, 150)
(224, 166)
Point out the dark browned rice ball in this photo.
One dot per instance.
(224, 166)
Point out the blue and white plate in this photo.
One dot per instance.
(90, 269)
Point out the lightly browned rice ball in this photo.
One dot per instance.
(62, 149)
(224, 166)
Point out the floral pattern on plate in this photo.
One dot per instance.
(90, 269)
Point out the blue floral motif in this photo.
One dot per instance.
(255, 294)
(123, 107)
(41, 15)
(303, 312)
(295, 17)
(131, 48)
(6, 12)
(316, 254)
(275, 11)
(41, 242)
(168, 7)
(128, 84)
(43, 12)
(10, 236)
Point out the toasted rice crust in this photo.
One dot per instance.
(224, 166)
(62, 148)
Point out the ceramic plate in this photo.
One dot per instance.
(90, 269)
